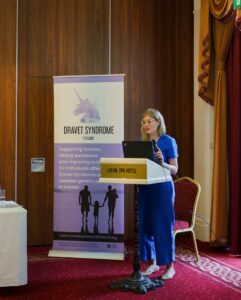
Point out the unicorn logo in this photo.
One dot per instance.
(88, 111)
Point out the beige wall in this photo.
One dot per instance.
(203, 144)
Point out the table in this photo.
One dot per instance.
(13, 244)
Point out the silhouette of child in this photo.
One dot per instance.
(96, 210)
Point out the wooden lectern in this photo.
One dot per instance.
(134, 171)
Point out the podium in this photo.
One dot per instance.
(134, 171)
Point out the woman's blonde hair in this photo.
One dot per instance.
(156, 115)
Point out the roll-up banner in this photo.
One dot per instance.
(88, 124)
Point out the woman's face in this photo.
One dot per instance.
(149, 125)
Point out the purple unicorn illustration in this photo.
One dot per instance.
(89, 112)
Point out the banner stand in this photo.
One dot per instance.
(88, 124)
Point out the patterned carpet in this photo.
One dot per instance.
(74, 279)
(212, 267)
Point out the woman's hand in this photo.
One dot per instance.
(159, 156)
(172, 165)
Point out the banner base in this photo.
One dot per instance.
(85, 254)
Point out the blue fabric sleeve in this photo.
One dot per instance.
(172, 149)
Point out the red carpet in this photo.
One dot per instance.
(73, 279)
(219, 253)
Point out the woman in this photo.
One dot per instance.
(156, 201)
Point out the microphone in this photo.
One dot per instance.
(156, 149)
(159, 160)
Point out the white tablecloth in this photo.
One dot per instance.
(13, 244)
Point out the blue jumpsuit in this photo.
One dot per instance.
(156, 213)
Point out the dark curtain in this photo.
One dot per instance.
(234, 141)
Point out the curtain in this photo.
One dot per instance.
(234, 141)
(222, 32)
(238, 19)
(206, 55)
(217, 20)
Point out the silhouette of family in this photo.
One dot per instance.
(85, 201)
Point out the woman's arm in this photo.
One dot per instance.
(172, 165)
